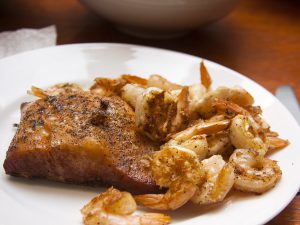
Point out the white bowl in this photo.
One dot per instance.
(160, 18)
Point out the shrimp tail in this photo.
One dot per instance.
(175, 197)
(205, 77)
(276, 143)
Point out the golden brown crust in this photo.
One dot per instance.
(81, 138)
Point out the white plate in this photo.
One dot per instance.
(35, 202)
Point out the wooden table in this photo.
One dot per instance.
(260, 39)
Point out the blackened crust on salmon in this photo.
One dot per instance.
(81, 138)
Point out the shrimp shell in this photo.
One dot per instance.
(206, 106)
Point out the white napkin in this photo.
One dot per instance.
(12, 42)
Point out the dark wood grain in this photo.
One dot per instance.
(290, 215)
(260, 39)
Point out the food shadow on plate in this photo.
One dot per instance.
(36, 184)
(190, 210)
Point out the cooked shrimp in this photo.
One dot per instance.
(243, 134)
(130, 93)
(218, 143)
(104, 218)
(154, 113)
(197, 144)
(262, 126)
(107, 86)
(55, 90)
(205, 138)
(205, 107)
(177, 195)
(205, 77)
(254, 110)
(201, 127)
(272, 134)
(162, 83)
(258, 128)
(229, 109)
(181, 119)
(216, 118)
(132, 79)
(253, 172)
(157, 112)
(218, 181)
(178, 169)
(116, 208)
(276, 143)
(173, 163)
(196, 93)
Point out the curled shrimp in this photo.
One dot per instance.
(218, 143)
(243, 134)
(229, 109)
(182, 112)
(201, 127)
(114, 207)
(157, 112)
(154, 113)
(130, 93)
(217, 181)
(206, 106)
(248, 128)
(197, 144)
(195, 137)
(174, 163)
(177, 169)
(194, 92)
(254, 173)
(177, 195)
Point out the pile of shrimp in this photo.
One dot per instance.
(212, 141)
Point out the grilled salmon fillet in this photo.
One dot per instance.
(78, 137)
